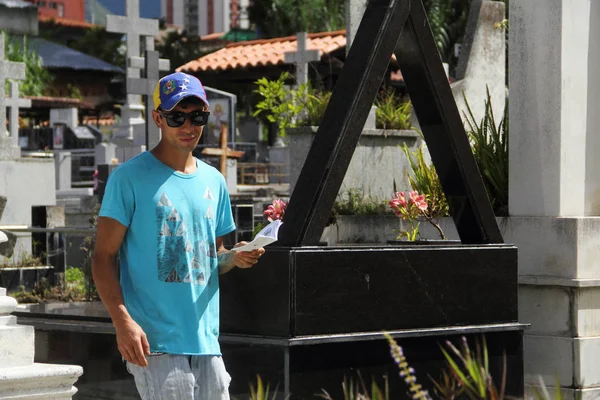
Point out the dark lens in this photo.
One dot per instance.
(199, 118)
(175, 119)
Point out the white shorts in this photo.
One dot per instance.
(181, 377)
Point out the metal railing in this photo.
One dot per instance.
(261, 173)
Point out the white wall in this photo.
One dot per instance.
(25, 183)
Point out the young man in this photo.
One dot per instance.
(166, 213)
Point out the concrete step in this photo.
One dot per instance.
(39, 381)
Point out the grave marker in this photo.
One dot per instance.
(302, 57)
(14, 102)
(223, 152)
(145, 87)
(8, 70)
(134, 27)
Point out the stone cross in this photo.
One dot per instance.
(145, 87)
(223, 152)
(301, 57)
(14, 102)
(134, 27)
(8, 70)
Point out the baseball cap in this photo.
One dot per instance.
(175, 87)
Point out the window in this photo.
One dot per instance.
(61, 10)
(42, 3)
(53, 5)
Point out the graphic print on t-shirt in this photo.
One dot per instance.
(179, 257)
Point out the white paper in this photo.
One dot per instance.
(263, 238)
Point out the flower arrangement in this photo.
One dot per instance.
(415, 210)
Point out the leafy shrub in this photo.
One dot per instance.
(391, 113)
(303, 106)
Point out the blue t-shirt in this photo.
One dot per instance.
(169, 272)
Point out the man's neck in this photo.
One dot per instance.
(178, 160)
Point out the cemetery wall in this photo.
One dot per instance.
(25, 182)
(17, 20)
(377, 163)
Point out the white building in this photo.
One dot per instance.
(203, 17)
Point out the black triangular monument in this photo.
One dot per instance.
(389, 27)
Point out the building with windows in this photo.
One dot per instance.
(204, 17)
(68, 9)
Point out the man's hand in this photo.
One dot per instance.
(132, 342)
(243, 259)
(246, 259)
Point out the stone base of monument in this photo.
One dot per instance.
(311, 315)
(8, 151)
(20, 377)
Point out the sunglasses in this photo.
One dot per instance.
(175, 119)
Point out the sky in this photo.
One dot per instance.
(148, 8)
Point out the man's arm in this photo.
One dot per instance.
(229, 259)
(131, 339)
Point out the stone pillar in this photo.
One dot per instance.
(62, 169)
(20, 377)
(555, 188)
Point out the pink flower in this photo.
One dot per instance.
(275, 210)
(418, 200)
(398, 203)
(421, 203)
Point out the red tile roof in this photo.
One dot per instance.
(263, 52)
(58, 102)
(72, 23)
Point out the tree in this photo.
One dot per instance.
(99, 43)
(447, 19)
(276, 18)
(180, 48)
(37, 78)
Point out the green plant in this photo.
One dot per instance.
(471, 371)
(353, 202)
(314, 104)
(278, 105)
(261, 392)
(391, 113)
(289, 108)
(447, 19)
(37, 78)
(23, 261)
(358, 390)
(490, 147)
(424, 179)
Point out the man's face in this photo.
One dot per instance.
(184, 138)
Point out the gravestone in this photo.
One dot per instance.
(482, 61)
(132, 130)
(145, 87)
(301, 58)
(14, 102)
(314, 313)
(9, 148)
